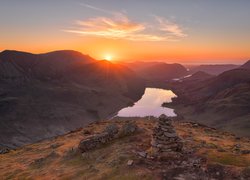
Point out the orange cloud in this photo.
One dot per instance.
(121, 27)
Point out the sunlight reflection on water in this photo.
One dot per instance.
(150, 104)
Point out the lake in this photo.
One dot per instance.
(150, 104)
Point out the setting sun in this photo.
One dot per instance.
(108, 57)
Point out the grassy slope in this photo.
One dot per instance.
(220, 102)
(58, 157)
(228, 110)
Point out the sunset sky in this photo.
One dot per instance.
(184, 31)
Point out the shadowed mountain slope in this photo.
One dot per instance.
(49, 94)
(199, 76)
(213, 69)
(158, 71)
(15, 64)
(221, 101)
(246, 65)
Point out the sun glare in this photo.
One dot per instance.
(108, 57)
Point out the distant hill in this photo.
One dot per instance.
(44, 95)
(246, 65)
(198, 76)
(138, 66)
(213, 69)
(15, 64)
(222, 101)
(158, 70)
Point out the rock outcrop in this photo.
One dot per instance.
(127, 129)
(110, 132)
(99, 139)
(4, 150)
(165, 139)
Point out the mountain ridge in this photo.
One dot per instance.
(41, 97)
(221, 101)
(246, 65)
(158, 71)
(214, 69)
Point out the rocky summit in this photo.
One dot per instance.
(126, 153)
(165, 139)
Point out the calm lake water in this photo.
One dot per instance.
(150, 104)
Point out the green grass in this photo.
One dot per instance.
(229, 159)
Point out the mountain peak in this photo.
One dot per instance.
(246, 65)
(67, 52)
(9, 52)
(53, 55)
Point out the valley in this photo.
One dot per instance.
(124, 90)
(51, 102)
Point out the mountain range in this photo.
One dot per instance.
(44, 95)
(54, 103)
(220, 101)
(214, 69)
(158, 71)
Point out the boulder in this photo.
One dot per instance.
(97, 140)
(142, 154)
(128, 129)
(130, 162)
(245, 151)
(112, 129)
(106, 136)
(4, 150)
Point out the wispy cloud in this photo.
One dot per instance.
(96, 8)
(121, 27)
(170, 27)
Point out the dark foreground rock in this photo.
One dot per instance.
(4, 150)
(99, 139)
(128, 129)
(130, 157)
(109, 133)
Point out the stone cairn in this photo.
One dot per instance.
(165, 140)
